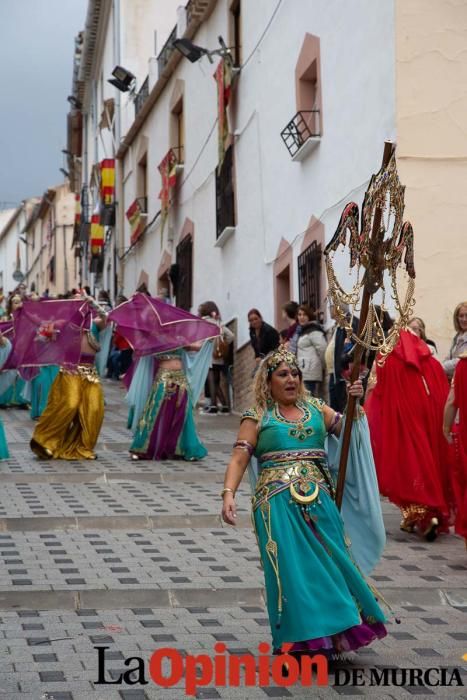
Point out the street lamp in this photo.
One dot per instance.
(193, 52)
(74, 102)
(123, 79)
(65, 172)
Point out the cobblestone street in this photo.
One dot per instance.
(133, 556)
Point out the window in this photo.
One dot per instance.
(309, 276)
(142, 184)
(282, 293)
(184, 274)
(177, 130)
(235, 38)
(308, 83)
(225, 199)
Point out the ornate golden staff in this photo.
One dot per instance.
(378, 248)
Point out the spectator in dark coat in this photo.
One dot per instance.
(337, 358)
(263, 337)
(289, 314)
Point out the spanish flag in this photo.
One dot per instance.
(168, 170)
(97, 234)
(107, 180)
(133, 214)
(223, 78)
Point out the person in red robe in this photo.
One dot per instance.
(405, 414)
(456, 434)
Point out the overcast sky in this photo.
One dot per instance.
(36, 58)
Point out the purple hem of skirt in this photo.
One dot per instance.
(348, 640)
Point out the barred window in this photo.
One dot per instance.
(309, 276)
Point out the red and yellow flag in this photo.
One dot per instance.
(107, 180)
(133, 214)
(97, 234)
(223, 78)
(168, 170)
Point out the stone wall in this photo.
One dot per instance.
(242, 379)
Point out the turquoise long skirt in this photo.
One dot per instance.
(167, 427)
(40, 389)
(12, 395)
(322, 591)
(4, 453)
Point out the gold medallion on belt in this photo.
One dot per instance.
(303, 479)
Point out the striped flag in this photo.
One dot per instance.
(107, 181)
(97, 234)
(133, 214)
(168, 170)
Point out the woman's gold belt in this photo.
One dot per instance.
(88, 372)
(304, 480)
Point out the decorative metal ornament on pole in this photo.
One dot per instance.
(378, 247)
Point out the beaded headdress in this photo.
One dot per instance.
(279, 356)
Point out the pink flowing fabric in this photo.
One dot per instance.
(48, 332)
(152, 326)
(6, 329)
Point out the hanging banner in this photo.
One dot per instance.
(223, 78)
(97, 234)
(133, 214)
(107, 181)
(168, 170)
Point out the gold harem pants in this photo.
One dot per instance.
(70, 424)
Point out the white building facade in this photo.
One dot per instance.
(51, 266)
(252, 234)
(13, 253)
(117, 33)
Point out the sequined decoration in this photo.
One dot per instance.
(380, 257)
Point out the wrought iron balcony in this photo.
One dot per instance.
(304, 125)
(142, 96)
(166, 51)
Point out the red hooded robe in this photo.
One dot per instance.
(405, 414)
(460, 441)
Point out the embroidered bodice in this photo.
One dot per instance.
(278, 434)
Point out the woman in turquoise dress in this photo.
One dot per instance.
(5, 348)
(164, 422)
(36, 390)
(11, 391)
(317, 596)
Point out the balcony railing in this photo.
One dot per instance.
(142, 96)
(304, 125)
(166, 52)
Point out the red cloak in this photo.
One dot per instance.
(405, 414)
(460, 442)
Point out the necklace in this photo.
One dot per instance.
(297, 426)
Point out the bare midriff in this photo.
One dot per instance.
(86, 348)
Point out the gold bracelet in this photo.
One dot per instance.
(227, 490)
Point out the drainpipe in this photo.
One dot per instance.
(118, 240)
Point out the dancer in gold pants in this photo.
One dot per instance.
(70, 424)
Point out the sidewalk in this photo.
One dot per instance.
(133, 556)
